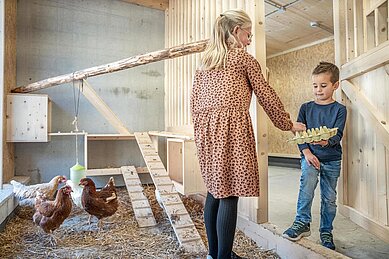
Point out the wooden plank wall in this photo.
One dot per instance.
(188, 21)
(9, 80)
(363, 55)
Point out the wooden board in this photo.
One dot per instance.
(142, 210)
(179, 218)
(103, 171)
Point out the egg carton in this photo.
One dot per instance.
(313, 135)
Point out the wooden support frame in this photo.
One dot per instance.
(369, 112)
(366, 62)
(260, 118)
(358, 27)
(103, 108)
(340, 58)
(350, 44)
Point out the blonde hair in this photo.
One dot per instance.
(222, 39)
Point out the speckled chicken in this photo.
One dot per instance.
(29, 192)
(101, 204)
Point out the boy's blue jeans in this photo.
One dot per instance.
(329, 173)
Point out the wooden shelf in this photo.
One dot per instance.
(110, 136)
(71, 133)
(171, 135)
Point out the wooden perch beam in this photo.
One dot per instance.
(143, 59)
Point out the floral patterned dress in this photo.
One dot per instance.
(223, 130)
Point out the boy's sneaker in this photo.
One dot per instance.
(297, 231)
(327, 240)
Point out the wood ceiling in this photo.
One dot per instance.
(288, 26)
(291, 28)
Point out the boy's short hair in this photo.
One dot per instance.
(326, 67)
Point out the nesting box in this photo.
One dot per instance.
(183, 166)
(27, 117)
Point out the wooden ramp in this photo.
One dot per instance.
(140, 203)
(179, 218)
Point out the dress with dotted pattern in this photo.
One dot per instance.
(223, 130)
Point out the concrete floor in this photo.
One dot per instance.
(350, 239)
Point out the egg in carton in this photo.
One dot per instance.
(313, 135)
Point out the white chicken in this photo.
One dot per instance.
(27, 193)
(76, 193)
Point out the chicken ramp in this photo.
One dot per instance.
(186, 232)
(142, 210)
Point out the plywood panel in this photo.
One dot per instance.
(290, 76)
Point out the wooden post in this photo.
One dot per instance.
(340, 59)
(8, 75)
(258, 26)
(151, 57)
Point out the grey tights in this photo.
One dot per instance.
(220, 222)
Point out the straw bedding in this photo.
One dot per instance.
(120, 236)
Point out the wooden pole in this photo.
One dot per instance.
(143, 59)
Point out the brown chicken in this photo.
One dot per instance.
(50, 215)
(29, 192)
(101, 204)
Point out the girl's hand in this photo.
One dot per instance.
(298, 126)
(311, 159)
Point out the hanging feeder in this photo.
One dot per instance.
(77, 172)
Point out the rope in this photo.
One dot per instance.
(76, 110)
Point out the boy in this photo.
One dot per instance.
(320, 159)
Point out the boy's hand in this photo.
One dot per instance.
(298, 126)
(311, 158)
(322, 143)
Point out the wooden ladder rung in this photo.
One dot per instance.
(193, 239)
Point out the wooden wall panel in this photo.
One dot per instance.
(365, 180)
(189, 21)
(290, 76)
(371, 188)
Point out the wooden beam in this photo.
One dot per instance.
(366, 62)
(374, 118)
(143, 59)
(103, 108)
(160, 4)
